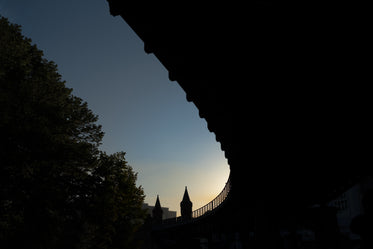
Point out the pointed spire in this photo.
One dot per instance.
(186, 195)
(157, 212)
(186, 206)
(157, 203)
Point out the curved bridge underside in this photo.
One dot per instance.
(272, 83)
(275, 84)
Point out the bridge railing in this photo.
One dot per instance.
(214, 203)
(205, 209)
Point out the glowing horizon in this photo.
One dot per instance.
(140, 110)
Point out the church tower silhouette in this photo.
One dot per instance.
(186, 206)
(157, 212)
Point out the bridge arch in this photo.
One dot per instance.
(266, 79)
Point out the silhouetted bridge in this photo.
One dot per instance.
(205, 210)
(268, 78)
(197, 227)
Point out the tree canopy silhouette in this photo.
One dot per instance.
(57, 189)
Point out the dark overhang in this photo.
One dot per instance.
(270, 81)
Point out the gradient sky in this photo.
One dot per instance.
(141, 111)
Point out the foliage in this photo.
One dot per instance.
(57, 190)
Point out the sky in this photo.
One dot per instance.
(141, 111)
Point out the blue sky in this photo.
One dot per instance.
(141, 111)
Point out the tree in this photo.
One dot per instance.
(117, 202)
(53, 178)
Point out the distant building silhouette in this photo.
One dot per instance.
(167, 213)
(186, 206)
